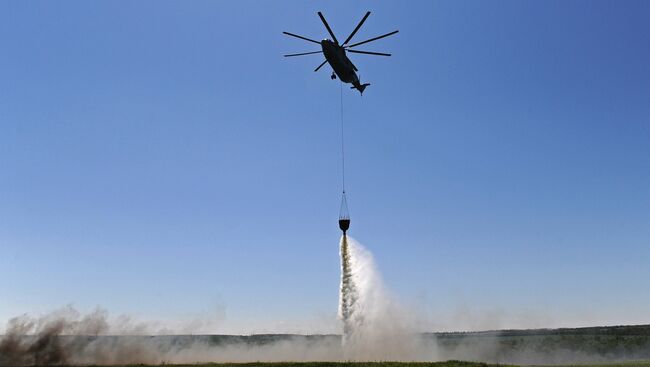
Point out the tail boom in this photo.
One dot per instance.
(360, 87)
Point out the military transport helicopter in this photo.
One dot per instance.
(335, 53)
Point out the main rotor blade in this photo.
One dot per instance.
(328, 27)
(368, 53)
(373, 39)
(301, 37)
(320, 66)
(356, 29)
(304, 53)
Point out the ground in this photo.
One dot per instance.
(381, 364)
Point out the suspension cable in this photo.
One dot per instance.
(342, 142)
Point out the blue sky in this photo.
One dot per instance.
(163, 160)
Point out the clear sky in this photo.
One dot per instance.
(163, 160)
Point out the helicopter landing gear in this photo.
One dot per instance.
(333, 76)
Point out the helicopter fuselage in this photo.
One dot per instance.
(338, 60)
(335, 53)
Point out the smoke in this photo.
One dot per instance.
(68, 337)
(43, 349)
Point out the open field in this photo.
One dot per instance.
(548, 346)
(603, 346)
(380, 364)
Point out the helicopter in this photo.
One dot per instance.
(335, 53)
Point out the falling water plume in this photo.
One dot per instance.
(375, 325)
(348, 293)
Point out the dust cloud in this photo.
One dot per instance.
(67, 337)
